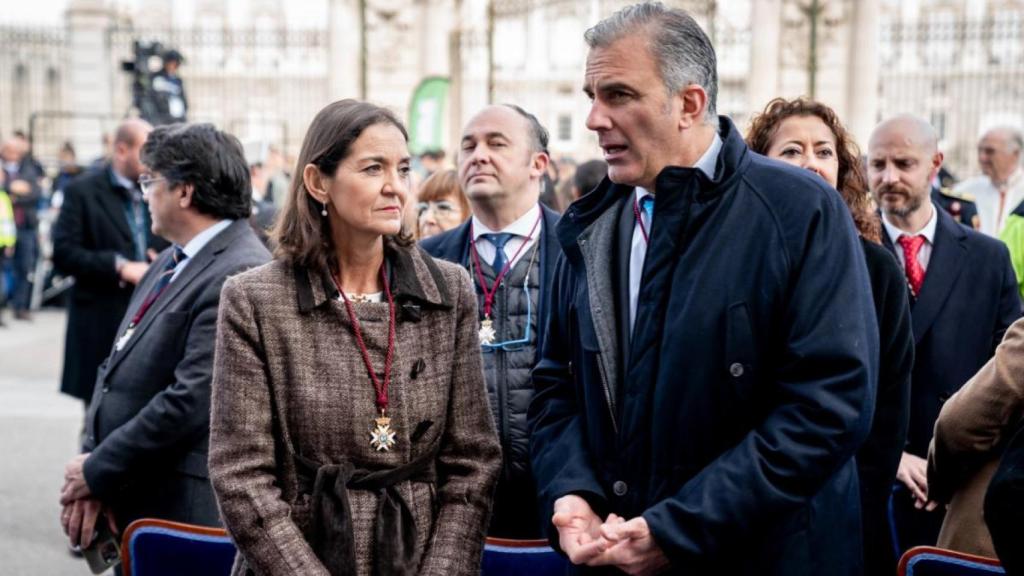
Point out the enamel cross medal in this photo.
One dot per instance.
(123, 340)
(382, 437)
(487, 332)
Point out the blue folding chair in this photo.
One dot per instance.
(503, 557)
(931, 561)
(152, 547)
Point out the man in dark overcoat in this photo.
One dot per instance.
(711, 358)
(101, 239)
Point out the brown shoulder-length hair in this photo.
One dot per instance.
(444, 184)
(851, 181)
(302, 235)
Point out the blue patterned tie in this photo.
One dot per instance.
(499, 240)
(177, 256)
(647, 205)
(161, 283)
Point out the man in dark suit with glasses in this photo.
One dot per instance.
(509, 248)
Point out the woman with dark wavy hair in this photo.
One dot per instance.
(808, 134)
(350, 427)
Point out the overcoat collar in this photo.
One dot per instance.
(416, 280)
(732, 159)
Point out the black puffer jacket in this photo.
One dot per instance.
(516, 512)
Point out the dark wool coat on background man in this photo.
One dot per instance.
(968, 300)
(91, 231)
(748, 384)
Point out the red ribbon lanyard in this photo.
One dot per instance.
(491, 292)
(146, 304)
(380, 387)
(639, 219)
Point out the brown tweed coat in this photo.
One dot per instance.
(289, 379)
(970, 434)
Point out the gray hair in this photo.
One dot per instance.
(679, 45)
(1012, 135)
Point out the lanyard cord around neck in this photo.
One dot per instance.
(492, 291)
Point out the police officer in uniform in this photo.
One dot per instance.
(959, 205)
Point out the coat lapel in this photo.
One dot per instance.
(193, 270)
(944, 268)
(549, 250)
(416, 282)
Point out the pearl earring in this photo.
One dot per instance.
(324, 211)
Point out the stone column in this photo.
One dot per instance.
(90, 84)
(862, 71)
(344, 34)
(766, 25)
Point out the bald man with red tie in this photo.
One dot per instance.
(963, 297)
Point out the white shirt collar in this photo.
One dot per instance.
(520, 227)
(709, 159)
(928, 231)
(121, 180)
(203, 238)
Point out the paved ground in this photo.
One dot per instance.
(38, 433)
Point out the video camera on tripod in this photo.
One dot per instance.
(157, 95)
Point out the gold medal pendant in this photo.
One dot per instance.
(382, 437)
(487, 333)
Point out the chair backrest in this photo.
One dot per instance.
(930, 561)
(152, 547)
(504, 557)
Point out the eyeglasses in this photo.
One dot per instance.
(441, 208)
(147, 184)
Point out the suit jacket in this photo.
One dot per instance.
(290, 382)
(968, 299)
(970, 434)
(148, 425)
(91, 231)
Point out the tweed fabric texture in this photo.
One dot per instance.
(289, 379)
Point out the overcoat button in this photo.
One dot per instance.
(620, 488)
(736, 369)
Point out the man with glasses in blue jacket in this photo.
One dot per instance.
(509, 248)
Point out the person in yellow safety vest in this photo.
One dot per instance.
(8, 235)
(1013, 236)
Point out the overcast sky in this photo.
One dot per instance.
(48, 12)
(51, 12)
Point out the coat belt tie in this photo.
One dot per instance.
(330, 534)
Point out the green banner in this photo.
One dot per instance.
(427, 113)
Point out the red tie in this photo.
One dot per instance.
(915, 273)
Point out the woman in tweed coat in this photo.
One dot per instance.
(351, 329)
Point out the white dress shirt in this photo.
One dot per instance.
(638, 249)
(924, 255)
(197, 243)
(986, 198)
(520, 228)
